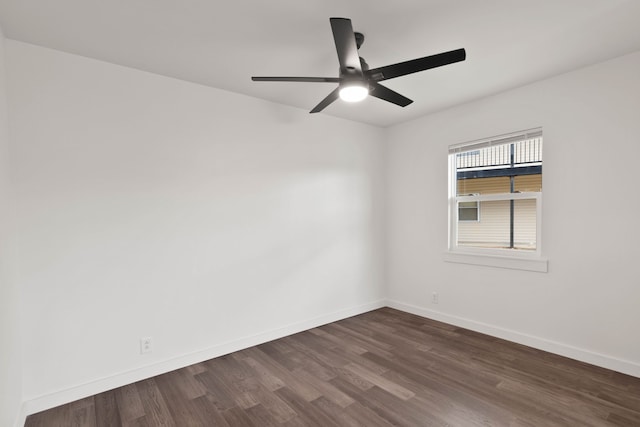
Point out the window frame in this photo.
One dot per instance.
(497, 257)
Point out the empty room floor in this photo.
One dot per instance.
(382, 368)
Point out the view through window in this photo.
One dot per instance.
(496, 192)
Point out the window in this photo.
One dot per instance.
(468, 211)
(495, 196)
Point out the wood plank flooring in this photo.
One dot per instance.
(382, 368)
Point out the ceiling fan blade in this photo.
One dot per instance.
(387, 94)
(345, 40)
(325, 102)
(297, 79)
(415, 65)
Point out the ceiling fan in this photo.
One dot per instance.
(356, 80)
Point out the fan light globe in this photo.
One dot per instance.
(353, 93)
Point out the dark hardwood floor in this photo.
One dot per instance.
(382, 368)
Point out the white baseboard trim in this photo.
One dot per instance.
(81, 391)
(587, 356)
(22, 417)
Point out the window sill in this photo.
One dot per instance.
(516, 263)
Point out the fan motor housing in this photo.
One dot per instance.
(359, 39)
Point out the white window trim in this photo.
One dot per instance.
(502, 258)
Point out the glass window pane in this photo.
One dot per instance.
(469, 205)
(493, 230)
(500, 166)
(493, 185)
(524, 183)
(525, 224)
(467, 214)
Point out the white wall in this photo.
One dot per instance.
(586, 306)
(154, 207)
(10, 360)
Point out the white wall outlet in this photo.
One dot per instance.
(145, 345)
(434, 298)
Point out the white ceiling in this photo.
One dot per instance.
(223, 43)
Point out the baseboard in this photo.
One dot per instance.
(61, 397)
(22, 417)
(602, 360)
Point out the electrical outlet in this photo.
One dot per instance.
(434, 298)
(145, 345)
